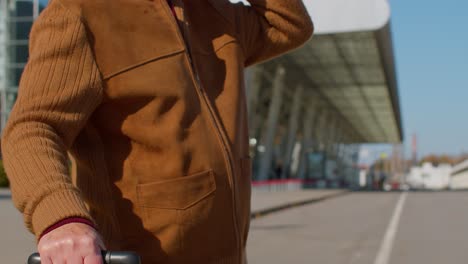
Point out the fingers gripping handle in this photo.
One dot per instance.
(109, 257)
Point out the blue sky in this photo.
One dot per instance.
(431, 48)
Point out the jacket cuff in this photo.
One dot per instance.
(57, 206)
(66, 221)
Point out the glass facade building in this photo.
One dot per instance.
(16, 18)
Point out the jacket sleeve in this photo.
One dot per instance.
(268, 28)
(59, 89)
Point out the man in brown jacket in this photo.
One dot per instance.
(149, 103)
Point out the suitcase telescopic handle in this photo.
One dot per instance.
(109, 257)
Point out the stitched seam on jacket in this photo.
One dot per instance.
(85, 25)
(217, 48)
(225, 44)
(142, 205)
(135, 65)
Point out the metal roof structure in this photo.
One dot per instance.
(349, 65)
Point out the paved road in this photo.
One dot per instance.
(432, 229)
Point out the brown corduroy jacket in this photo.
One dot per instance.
(152, 111)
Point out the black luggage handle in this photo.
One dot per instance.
(109, 257)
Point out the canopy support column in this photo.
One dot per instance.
(272, 123)
(292, 133)
(307, 131)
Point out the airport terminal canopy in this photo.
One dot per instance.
(350, 63)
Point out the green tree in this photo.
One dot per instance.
(3, 178)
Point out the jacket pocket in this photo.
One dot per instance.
(168, 206)
(177, 194)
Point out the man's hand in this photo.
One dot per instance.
(73, 243)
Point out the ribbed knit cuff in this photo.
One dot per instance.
(66, 221)
(57, 206)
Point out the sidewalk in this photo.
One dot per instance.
(265, 202)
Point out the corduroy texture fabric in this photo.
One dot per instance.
(152, 112)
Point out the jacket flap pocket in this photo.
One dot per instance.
(180, 193)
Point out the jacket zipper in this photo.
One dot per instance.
(201, 92)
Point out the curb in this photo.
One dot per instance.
(264, 212)
(5, 193)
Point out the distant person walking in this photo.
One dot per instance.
(149, 103)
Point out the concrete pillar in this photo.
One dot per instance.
(253, 86)
(272, 123)
(310, 119)
(320, 134)
(332, 135)
(292, 130)
(341, 158)
(331, 130)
